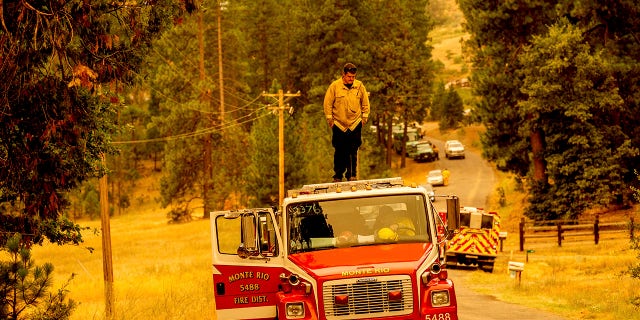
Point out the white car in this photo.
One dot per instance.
(453, 149)
(435, 178)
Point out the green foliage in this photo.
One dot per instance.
(555, 84)
(262, 174)
(438, 100)
(187, 114)
(90, 201)
(261, 29)
(451, 114)
(62, 64)
(572, 90)
(181, 183)
(404, 78)
(24, 287)
(498, 30)
(263, 50)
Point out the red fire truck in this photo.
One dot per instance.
(363, 249)
(477, 240)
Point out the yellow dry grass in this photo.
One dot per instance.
(161, 270)
(447, 43)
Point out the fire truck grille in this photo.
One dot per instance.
(361, 298)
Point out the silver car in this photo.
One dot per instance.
(435, 178)
(453, 149)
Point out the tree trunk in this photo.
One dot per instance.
(537, 148)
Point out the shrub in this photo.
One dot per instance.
(24, 287)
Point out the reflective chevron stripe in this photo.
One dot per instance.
(477, 241)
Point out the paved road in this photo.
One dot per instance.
(473, 180)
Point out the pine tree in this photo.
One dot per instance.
(25, 287)
(571, 91)
(452, 110)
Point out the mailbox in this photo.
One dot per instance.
(515, 268)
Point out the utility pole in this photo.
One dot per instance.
(281, 106)
(220, 77)
(206, 101)
(208, 165)
(107, 265)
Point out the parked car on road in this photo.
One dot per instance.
(423, 152)
(435, 178)
(453, 149)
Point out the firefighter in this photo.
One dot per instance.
(445, 176)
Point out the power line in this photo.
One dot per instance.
(196, 133)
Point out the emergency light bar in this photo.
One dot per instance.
(346, 185)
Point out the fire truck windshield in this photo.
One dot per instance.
(337, 223)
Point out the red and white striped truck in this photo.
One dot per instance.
(367, 249)
(477, 239)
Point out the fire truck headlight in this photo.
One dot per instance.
(440, 298)
(295, 310)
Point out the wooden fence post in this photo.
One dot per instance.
(521, 228)
(631, 227)
(559, 234)
(596, 229)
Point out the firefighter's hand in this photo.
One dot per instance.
(330, 122)
(346, 237)
(364, 120)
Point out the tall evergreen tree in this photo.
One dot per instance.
(571, 93)
(438, 101)
(325, 35)
(62, 66)
(386, 40)
(498, 32)
(183, 79)
(403, 70)
(452, 110)
(301, 45)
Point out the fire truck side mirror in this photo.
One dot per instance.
(453, 215)
(248, 242)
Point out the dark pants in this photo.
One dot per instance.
(346, 146)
